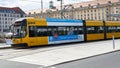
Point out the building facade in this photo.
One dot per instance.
(92, 10)
(8, 16)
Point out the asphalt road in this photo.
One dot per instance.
(111, 60)
(12, 64)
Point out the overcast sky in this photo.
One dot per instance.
(33, 4)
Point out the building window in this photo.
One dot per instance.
(84, 11)
(11, 18)
(5, 26)
(17, 15)
(5, 18)
(116, 11)
(88, 14)
(88, 11)
(5, 15)
(91, 11)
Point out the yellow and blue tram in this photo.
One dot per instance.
(35, 32)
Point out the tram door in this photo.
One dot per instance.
(42, 38)
(32, 36)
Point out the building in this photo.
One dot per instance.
(91, 10)
(8, 16)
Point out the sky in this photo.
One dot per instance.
(34, 4)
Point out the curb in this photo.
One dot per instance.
(83, 58)
(7, 47)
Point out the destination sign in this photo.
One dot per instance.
(31, 22)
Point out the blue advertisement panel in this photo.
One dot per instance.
(60, 38)
(65, 39)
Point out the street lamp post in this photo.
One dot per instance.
(60, 8)
(41, 8)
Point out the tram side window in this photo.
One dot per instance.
(76, 30)
(54, 31)
(98, 29)
(80, 30)
(41, 31)
(70, 30)
(112, 29)
(62, 30)
(32, 31)
(49, 32)
(118, 28)
(95, 29)
(90, 30)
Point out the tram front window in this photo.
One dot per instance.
(19, 31)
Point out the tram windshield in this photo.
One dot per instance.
(19, 31)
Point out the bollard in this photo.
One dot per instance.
(113, 42)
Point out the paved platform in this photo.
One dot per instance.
(69, 53)
(4, 45)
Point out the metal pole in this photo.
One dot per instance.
(113, 42)
(72, 12)
(61, 9)
(41, 8)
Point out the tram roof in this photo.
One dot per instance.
(54, 20)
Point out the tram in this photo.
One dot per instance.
(35, 32)
(30, 31)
